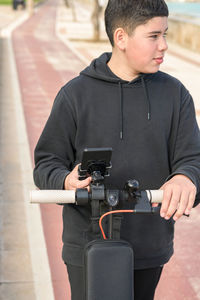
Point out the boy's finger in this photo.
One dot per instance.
(167, 193)
(175, 199)
(182, 206)
(75, 171)
(190, 203)
(83, 183)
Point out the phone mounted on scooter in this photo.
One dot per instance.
(95, 160)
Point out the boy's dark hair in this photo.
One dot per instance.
(128, 14)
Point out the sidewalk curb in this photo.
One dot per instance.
(6, 31)
(38, 252)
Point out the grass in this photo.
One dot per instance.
(9, 2)
(5, 2)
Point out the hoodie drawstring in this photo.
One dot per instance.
(121, 110)
(121, 104)
(147, 98)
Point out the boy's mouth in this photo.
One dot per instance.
(159, 60)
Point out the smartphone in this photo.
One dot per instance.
(94, 158)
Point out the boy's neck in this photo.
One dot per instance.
(119, 67)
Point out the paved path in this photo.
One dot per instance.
(7, 15)
(43, 66)
(16, 278)
(23, 273)
(42, 71)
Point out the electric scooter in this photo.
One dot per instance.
(108, 260)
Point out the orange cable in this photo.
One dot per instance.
(112, 212)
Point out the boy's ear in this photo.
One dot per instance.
(120, 37)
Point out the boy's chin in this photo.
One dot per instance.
(152, 70)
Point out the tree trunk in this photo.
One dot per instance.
(66, 3)
(71, 4)
(95, 20)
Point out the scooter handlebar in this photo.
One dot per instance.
(52, 196)
(66, 197)
(155, 196)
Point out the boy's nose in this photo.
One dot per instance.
(163, 44)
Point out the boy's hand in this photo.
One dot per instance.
(178, 197)
(72, 182)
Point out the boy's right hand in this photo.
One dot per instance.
(72, 182)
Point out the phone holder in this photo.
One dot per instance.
(95, 169)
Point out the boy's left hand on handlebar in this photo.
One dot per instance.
(178, 197)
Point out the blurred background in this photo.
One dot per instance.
(44, 44)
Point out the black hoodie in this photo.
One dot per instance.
(150, 124)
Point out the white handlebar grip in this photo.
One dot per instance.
(52, 196)
(155, 196)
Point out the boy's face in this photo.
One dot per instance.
(145, 48)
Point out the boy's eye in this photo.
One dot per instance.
(155, 36)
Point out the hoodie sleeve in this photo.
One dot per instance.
(54, 153)
(186, 157)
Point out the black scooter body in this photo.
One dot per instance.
(109, 270)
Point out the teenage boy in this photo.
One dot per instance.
(123, 101)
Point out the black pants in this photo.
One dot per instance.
(145, 282)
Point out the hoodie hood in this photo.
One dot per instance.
(99, 69)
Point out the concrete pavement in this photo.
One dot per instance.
(15, 266)
(8, 16)
(43, 66)
(16, 278)
(20, 277)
